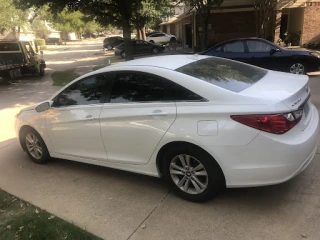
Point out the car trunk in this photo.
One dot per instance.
(292, 90)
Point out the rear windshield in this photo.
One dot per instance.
(7, 47)
(230, 75)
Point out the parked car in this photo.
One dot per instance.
(262, 53)
(17, 58)
(139, 47)
(110, 42)
(151, 33)
(160, 37)
(53, 40)
(201, 123)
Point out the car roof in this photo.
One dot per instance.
(170, 62)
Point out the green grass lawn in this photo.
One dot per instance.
(61, 78)
(21, 220)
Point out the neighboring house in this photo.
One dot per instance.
(24, 35)
(237, 18)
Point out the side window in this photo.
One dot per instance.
(176, 92)
(29, 49)
(156, 35)
(258, 46)
(234, 47)
(136, 87)
(87, 91)
(219, 49)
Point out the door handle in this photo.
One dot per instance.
(157, 113)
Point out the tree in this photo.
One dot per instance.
(148, 13)
(115, 12)
(202, 8)
(12, 18)
(39, 26)
(69, 21)
(90, 27)
(264, 10)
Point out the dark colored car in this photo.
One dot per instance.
(110, 42)
(265, 54)
(139, 47)
(55, 41)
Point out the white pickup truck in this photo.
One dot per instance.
(17, 58)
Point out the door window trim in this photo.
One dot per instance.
(107, 99)
(104, 96)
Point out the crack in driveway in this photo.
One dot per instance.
(153, 210)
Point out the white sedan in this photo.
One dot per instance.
(202, 123)
(159, 37)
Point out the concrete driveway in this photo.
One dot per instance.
(119, 205)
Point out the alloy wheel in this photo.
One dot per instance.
(34, 146)
(297, 68)
(123, 54)
(188, 174)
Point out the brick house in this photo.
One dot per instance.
(237, 18)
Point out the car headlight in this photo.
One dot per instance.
(315, 54)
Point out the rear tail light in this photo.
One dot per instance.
(272, 123)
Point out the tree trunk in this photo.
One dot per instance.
(127, 39)
(138, 33)
(143, 33)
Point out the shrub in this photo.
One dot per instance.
(41, 43)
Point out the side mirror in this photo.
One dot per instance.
(43, 106)
(274, 50)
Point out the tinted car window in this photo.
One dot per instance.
(157, 35)
(258, 46)
(177, 92)
(6, 47)
(86, 91)
(136, 87)
(219, 49)
(231, 75)
(234, 47)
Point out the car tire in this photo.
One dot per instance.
(109, 47)
(199, 185)
(123, 54)
(41, 70)
(155, 50)
(151, 41)
(34, 146)
(173, 40)
(299, 68)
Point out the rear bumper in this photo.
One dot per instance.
(270, 159)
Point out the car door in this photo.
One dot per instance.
(73, 121)
(235, 50)
(261, 54)
(135, 118)
(142, 47)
